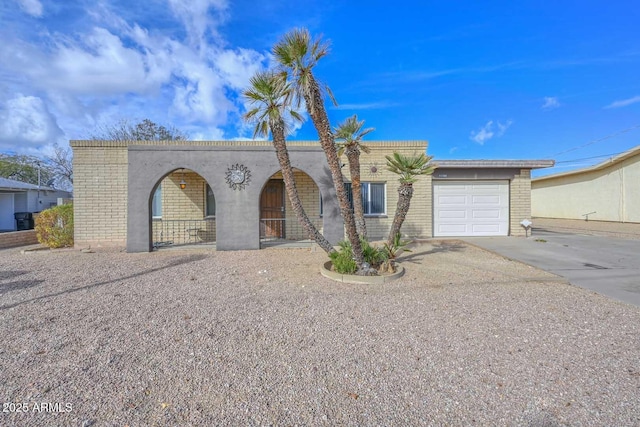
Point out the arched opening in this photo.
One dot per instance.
(183, 211)
(278, 220)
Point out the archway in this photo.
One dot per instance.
(278, 221)
(183, 210)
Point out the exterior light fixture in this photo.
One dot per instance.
(183, 183)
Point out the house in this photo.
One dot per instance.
(17, 196)
(145, 194)
(608, 191)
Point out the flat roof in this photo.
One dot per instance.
(494, 164)
(609, 162)
(11, 184)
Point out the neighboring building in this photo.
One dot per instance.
(130, 194)
(608, 191)
(17, 196)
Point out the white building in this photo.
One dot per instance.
(608, 191)
(16, 196)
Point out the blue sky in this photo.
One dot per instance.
(478, 80)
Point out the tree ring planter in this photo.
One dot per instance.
(325, 270)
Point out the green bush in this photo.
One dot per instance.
(343, 262)
(54, 227)
(373, 255)
(342, 259)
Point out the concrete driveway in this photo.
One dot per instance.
(607, 265)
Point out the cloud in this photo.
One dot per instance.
(26, 123)
(550, 103)
(489, 131)
(624, 102)
(32, 7)
(118, 64)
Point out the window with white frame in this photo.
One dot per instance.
(373, 198)
(374, 201)
(210, 202)
(156, 204)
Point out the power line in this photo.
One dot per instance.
(597, 140)
(590, 158)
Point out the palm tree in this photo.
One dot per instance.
(350, 134)
(270, 95)
(408, 168)
(297, 53)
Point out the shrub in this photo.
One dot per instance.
(54, 227)
(342, 259)
(373, 255)
(344, 263)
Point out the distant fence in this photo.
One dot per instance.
(13, 239)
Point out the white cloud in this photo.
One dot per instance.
(550, 103)
(118, 68)
(26, 123)
(489, 131)
(32, 7)
(624, 102)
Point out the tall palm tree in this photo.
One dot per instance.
(298, 53)
(350, 134)
(270, 95)
(408, 168)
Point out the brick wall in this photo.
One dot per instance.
(373, 169)
(100, 193)
(520, 201)
(18, 238)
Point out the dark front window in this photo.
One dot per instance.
(210, 202)
(373, 197)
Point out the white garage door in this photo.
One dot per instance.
(470, 208)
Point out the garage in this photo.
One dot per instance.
(470, 208)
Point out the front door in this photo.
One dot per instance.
(272, 213)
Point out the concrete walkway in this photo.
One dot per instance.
(607, 265)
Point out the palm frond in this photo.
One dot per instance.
(409, 167)
(350, 132)
(270, 95)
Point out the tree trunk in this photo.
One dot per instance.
(353, 155)
(315, 107)
(405, 193)
(279, 142)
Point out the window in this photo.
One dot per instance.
(210, 202)
(156, 204)
(373, 197)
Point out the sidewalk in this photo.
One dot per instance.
(623, 230)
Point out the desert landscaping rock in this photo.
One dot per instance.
(465, 337)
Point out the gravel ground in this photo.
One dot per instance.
(261, 338)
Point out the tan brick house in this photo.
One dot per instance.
(144, 194)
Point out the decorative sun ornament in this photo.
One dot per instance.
(373, 170)
(238, 177)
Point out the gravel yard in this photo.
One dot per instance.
(261, 338)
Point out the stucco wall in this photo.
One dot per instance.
(101, 188)
(612, 192)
